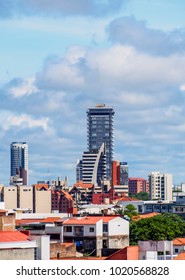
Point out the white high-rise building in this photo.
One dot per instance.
(160, 186)
(94, 166)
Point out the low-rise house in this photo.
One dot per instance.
(97, 234)
(15, 245)
(178, 245)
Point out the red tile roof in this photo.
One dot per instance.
(179, 241)
(80, 184)
(128, 199)
(127, 253)
(40, 186)
(181, 256)
(31, 221)
(12, 236)
(89, 220)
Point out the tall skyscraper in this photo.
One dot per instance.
(100, 130)
(19, 160)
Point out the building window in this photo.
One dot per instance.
(68, 229)
(105, 228)
(91, 229)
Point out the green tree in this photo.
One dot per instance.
(130, 211)
(119, 211)
(166, 226)
(141, 195)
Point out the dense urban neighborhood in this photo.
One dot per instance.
(105, 214)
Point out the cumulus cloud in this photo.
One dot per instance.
(136, 33)
(19, 87)
(115, 69)
(23, 121)
(10, 8)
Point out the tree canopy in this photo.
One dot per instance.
(129, 211)
(141, 195)
(166, 226)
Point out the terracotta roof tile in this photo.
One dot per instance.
(89, 220)
(80, 184)
(181, 256)
(40, 186)
(179, 241)
(128, 199)
(12, 236)
(30, 221)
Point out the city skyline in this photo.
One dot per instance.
(59, 58)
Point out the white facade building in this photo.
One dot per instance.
(97, 233)
(160, 186)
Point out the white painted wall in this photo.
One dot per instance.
(118, 226)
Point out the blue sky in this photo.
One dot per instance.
(58, 58)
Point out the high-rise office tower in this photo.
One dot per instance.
(19, 160)
(100, 130)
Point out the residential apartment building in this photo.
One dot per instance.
(100, 123)
(36, 198)
(62, 202)
(82, 193)
(94, 166)
(137, 185)
(160, 186)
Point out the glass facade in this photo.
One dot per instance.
(100, 125)
(19, 158)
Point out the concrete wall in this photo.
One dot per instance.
(17, 254)
(62, 250)
(10, 197)
(118, 241)
(25, 197)
(42, 201)
(43, 246)
(7, 223)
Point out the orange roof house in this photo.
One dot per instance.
(12, 236)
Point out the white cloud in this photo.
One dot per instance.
(182, 87)
(117, 69)
(27, 87)
(24, 121)
(136, 33)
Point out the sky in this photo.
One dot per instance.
(58, 58)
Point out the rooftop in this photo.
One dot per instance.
(12, 236)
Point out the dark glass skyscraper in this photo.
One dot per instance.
(19, 160)
(100, 125)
